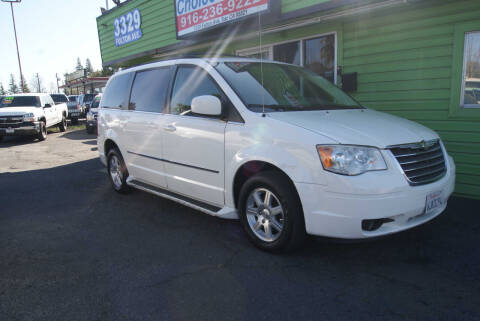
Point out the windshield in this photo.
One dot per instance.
(59, 98)
(20, 101)
(96, 102)
(72, 98)
(88, 97)
(285, 88)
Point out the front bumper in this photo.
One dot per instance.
(23, 129)
(340, 215)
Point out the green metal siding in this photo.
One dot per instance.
(404, 62)
(292, 5)
(158, 27)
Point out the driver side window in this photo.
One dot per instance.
(191, 82)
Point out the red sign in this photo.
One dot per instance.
(197, 15)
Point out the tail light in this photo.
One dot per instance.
(78, 106)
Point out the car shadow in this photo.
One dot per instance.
(9, 141)
(80, 134)
(91, 142)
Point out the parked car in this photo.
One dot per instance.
(290, 154)
(74, 110)
(31, 114)
(92, 114)
(85, 100)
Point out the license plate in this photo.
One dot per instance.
(9, 130)
(434, 201)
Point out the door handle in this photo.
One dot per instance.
(169, 128)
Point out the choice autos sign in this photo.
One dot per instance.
(197, 15)
(126, 28)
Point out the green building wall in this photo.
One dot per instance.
(408, 59)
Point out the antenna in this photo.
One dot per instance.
(261, 61)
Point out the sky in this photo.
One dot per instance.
(51, 35)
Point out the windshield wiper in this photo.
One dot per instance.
(276, 107)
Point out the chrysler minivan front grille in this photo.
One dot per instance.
(422, 163)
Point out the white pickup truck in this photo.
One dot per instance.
(31, 114)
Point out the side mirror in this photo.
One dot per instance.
(47, 106)
(207, 105)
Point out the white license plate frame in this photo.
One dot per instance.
(433, 202)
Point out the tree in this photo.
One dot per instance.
(2, 90)
(79, 64)
(88, 65)
(26, 89)
(105, 72)
(12, 86)
(37, 84)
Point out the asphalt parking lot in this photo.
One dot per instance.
(72, 249)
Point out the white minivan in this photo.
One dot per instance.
(272, 144)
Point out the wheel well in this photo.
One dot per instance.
(250, 169)
(43, 119)
(109, 144)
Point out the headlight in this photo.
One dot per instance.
(29, 117)
(89, 116)
(350, 160)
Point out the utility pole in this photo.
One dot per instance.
(16, 41)
(58, 88)
(38, 84)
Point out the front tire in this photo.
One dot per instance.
(63, 124)
(42, 135)
(117, 171)
(271, 212)
(89, 130)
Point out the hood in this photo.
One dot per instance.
(14, 111)
(358, 127)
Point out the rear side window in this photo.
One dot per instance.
(149, 90)
(191, 82)
(117, 92)
(59, 98)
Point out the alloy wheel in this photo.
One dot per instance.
(265, 214)
(116, 172)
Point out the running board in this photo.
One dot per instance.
(225, 212)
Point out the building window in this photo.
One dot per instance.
(320, 56)
(288, 53)
(471, 71)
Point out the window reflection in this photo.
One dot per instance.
(288, 53)
(320, 56)
(471, 74)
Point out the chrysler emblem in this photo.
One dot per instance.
(424, 145)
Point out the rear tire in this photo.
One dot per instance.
(1, 139)
(63, 124)
(89, 130)
(117, 171)
(42, 135)
(74, 121)
(271, 212)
